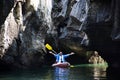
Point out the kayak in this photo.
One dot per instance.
(61, 65)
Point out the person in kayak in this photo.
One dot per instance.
(60, 58)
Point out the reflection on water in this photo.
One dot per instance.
(81, 72)
(61, 73)
(99, 73)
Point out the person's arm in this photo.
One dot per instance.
(72, 53)
(51, 53)
(69, 54)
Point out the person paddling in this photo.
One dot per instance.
(60, 58)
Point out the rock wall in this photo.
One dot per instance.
(23, 26)
(93, 24)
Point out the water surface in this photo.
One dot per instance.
(77, 72)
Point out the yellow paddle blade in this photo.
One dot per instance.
(48, 47)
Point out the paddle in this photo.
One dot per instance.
(50, 48)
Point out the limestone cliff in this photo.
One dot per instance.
(91, 23)
(23, 27)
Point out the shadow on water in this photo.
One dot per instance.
(76, 72)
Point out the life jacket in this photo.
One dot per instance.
(61, 58)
